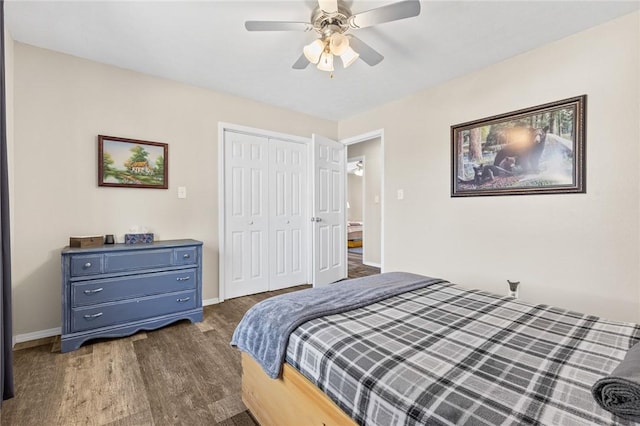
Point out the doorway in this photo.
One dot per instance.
(365, 200)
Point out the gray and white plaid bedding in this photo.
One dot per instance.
(445, 355)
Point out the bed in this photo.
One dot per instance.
(421, 350)
(354, 234)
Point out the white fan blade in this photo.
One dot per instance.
(277, 26)
(388, 13)
(329, 6)
(301, 63)
(366, 52)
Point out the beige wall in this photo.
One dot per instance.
(579, 251)
(61, 104)
(371, 151)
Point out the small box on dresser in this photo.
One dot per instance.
(117, 290)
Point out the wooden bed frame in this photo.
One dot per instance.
(290, 400)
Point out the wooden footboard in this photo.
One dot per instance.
(290, 400)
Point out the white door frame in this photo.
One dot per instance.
(363, 191)
(222, 127)
(363, 138)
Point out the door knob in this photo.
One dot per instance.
(288, 222)
(250, 222)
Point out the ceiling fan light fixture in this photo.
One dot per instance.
(349, 56)
(338, 43)
(313, 51)
(326, 62)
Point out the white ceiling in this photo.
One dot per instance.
(204, 43)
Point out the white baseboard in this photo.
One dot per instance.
(27, 337)
(375, 265)
(207, 302)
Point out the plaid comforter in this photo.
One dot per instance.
(445, 355)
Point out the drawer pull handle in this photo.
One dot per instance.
(93, 316)
(184, 299)
(95, 290)
(183, 278)
(186, 255)
(87, 265)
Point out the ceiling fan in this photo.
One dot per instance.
(331, 19)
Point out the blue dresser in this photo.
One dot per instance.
(116, 290)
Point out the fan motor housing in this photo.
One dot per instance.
(328, 23)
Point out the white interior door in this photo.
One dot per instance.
(246, 214)
(329, 216)
(288, 242)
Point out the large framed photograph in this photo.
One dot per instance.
(132, 163)
(537, 150)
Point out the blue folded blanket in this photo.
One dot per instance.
(619, 393)
(264, 330)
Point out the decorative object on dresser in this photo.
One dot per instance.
(86, 242)
(146, 238)
(132, 163)
(117, 290)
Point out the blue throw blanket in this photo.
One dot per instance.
(264, 330)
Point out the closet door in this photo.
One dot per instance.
(246, 214)
(288, 242)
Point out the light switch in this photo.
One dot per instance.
(400, 194)
(182, 192)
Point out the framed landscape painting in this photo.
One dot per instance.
(132, 163)
(537, 150)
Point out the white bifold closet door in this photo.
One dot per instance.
(265, 209)
(288, 243)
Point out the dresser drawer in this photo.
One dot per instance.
(130, 261)
(90, 317)
(86, 265)
(185, 256)
(112, 289)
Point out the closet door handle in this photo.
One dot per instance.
(93, 291)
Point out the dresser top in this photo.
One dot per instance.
(121, 246)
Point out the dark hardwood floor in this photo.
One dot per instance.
(358, 269)
(184, 374)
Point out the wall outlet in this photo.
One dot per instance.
(182, 192)
(400, 194)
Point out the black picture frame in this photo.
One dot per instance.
(536, 150)
(132, 163)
